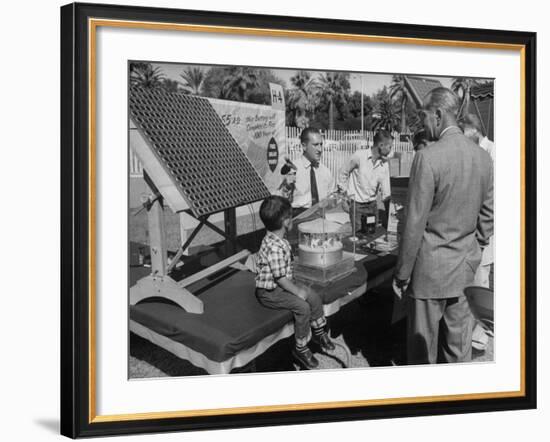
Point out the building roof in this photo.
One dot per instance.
(482, 91)
(194, 148)
(482, 104)
(419, 87)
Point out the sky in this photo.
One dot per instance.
(372, 82)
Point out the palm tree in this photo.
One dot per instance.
(170, 85)
(386, 117)
(334, 88)
(193, 79)
(463, 87)
(262, 93)
(399, 89)
(239, 83)
(145, 76)
(303, 97)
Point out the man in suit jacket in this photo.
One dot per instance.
(449, 221)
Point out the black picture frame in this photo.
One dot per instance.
(77, 403)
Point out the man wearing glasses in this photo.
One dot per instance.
(449, 221)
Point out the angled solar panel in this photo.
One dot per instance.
(193, 153)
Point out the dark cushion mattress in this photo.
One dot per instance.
(233, 320)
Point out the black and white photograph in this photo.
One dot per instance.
(302, 219)
(275, 220)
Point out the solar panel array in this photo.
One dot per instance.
(207, 165)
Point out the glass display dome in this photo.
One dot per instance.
(320, 242)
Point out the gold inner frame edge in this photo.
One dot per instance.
(93, 24)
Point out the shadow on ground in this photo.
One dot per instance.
(366, 328)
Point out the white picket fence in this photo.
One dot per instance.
(338, 146)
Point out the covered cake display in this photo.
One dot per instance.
(320, 242)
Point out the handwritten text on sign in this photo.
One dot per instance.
(260, 132)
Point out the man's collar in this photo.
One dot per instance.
(375, 163)
(308, 163)
(449, 130)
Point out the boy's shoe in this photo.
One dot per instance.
(324, 342)
(305, 358)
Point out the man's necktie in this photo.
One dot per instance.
(313, 183)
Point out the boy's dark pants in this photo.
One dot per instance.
(306, 313)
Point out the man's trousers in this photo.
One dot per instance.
(439, 327)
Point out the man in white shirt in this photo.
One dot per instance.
(364, 176)
(471, 126)
(314, 181)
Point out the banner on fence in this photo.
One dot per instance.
(260, 131)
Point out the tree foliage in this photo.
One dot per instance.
(193, 79)
(144, 75)
(261, 94)
(334, 91)
(250, 85)
(386, 115)
(323, 100)
(239, 83)
(463, 87)
(398, 91)
(302, 99)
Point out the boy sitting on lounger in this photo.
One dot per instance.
(275, 288)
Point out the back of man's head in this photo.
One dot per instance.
(273, 211)
(444, 99)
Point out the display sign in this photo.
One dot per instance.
(277, 96)
(260, 132)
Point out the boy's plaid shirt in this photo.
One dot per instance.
(273, 262)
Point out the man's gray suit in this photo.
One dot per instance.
(449, 216)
